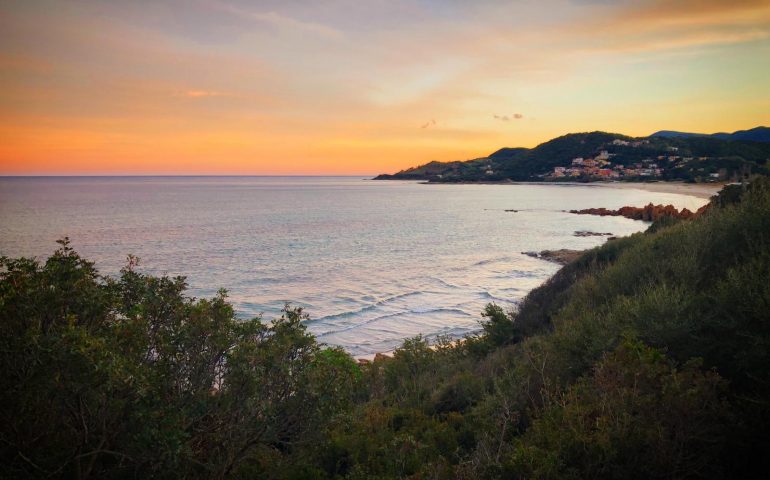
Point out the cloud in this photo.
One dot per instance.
(506, 118)
(199, 94)
(660, 13)
(430, 123)
(683, 41)
(280, 21)
(668, 25)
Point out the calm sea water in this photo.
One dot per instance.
(371, 262)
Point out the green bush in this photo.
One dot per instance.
(631, 361)
(130, 377)
(635, 416)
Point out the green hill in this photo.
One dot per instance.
(659, 157)
(645, 357)
(758, 134)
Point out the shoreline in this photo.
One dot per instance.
(699, 190)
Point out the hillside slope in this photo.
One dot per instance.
(609, 156)
(645, 357)
(758, 134)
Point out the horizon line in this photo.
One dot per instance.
(180, 175)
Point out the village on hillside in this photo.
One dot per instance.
(601, 156)
(602, 167)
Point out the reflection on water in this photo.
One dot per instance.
(372, 262)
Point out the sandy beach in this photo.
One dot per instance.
(700, 190)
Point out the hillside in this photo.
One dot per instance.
(758, 134)
(645, 357)
(608, 156)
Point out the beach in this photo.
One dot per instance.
(700, 190)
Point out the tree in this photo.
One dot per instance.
(129, 376)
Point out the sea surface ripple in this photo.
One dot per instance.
(372, 262)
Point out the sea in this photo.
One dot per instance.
(371, 262)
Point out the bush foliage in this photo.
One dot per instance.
(646, 357)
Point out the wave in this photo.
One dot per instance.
(396, 315)
(523, 274)
(367, 308)
(481, 263)
(444, 282)
(488, 296)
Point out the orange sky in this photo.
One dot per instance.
(360, 87)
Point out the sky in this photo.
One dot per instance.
(359, 87)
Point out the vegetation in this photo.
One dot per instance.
(698, 157)
(646, 357)
(757, 134)
(130, 378)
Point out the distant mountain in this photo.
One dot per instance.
(675, 134)
(758, 134)
(665, 155)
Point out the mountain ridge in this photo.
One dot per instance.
(756, 134)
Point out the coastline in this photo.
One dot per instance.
(700, 190)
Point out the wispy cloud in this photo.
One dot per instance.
(687, 13)
(280, 21)
(668, 25)
(199, 94)
(684, 40)
(506, 118)
(429, 123)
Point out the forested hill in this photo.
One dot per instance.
(644, 358)
(758, 134)
(610, 156)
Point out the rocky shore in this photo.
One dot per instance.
(648, 213)
(562, 256)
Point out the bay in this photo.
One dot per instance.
(372, 262)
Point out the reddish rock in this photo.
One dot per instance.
(380, 357)
(703, 209)
(648, 213)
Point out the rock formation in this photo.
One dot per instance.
(648, 213)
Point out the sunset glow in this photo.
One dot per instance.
(360, 87)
